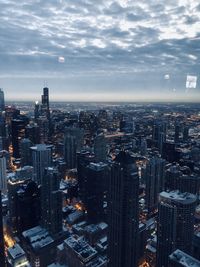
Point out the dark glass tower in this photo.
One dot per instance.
(175, 224)
(18, 132)
(154, 180)
(2, 103)
(96, 187)
(123, 212)
(2, 255)
(51, 201)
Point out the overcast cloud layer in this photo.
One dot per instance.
(100, 46)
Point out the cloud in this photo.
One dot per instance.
(106, 38)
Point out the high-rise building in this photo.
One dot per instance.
(36, 110)
(2, 253)
(185, 133)
(177, 132)
(33, 133)
(3, 131)
(14, 184)
(3, 181)
(84, 158)
(73, 143)
(51, 201)
(45, 102)
(96, 187)
(175, 224)
(41, 159)
(123, 212)
(100, 149)
(154, 180)
(18, 132)
(27, 202)
(25, 151)
(2, 102)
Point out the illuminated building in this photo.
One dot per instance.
(17, 257)
(41, 159)
(175, 224)
(123, 214)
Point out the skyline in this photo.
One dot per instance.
(93, 52)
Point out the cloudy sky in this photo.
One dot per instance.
(98, 49)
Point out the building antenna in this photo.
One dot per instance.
(45, 84)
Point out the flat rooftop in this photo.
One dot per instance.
(82, 249)
(177, 196)
(38, 237)
(184, 259)
(16, 252)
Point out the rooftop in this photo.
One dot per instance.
(177, 196)
(41, 147)
(83, 250)
(16, 252)
(38, 237)
(184, 259)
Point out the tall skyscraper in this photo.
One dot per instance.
(96, 187)
(45, 102)
(2, 254)
(41, 159)
(175, 224)
(18, 132)
(100, 149)
(159, 134)
(51, 201)
(3, 181)
(14, 184)
(27, 203)
(2, 102)
(154, 180)
(25, 151)
(73, 142)
(123, 212)
(177, 132)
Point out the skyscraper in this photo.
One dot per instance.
(154, 180)
(45, 102)
(2, 255)
(100, 149)
(51, 201)
(18, 132)
(123, 212)
(96, 187)
(2, 102)
(73, 142)
(25, 151)
(41, 159)
(175, 224)
(3, 182)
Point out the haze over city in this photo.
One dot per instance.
(118, 50)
